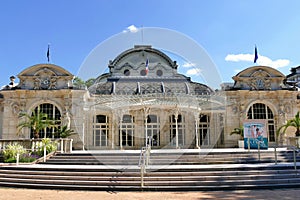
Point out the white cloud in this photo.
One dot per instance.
(262, 60)
(193, 71)
(237, 71)
(188, 64)
(239, 57)
(131, 29)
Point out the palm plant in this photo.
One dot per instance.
(64, 132)
(238, 131)
(295, 122)
(37, 122)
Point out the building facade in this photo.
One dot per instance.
(143, 100)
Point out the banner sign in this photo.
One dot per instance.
(255, 134)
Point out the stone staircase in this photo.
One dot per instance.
(170, 158)
(176, 170)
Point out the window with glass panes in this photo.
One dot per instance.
(100, 130)
(203, 130)
(153, 129)
(53, 113)
(127, 130)
(262, 111)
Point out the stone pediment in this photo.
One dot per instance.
(45, 77)
(259, 78)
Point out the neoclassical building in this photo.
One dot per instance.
(143, 100)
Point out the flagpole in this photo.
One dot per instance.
(255, 54)
(142, 32)
(48, 53)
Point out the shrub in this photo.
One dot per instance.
(50, 146)
(28, 157)
(12, 150)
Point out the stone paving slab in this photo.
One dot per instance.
(31, 194)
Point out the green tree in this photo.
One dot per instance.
(36, 121)
(78, 82)
(295, 122)
(89, 82)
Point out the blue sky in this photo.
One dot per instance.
(226, 29)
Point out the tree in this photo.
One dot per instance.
(89, 82)
(78, 82)
(36, 121)
(295, 122)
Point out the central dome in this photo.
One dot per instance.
(144, 70)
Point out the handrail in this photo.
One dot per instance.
(295, 149)
(144, 162)
(141, 159)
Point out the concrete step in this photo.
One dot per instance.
(213, 178)
(175, 171)
(170, 158)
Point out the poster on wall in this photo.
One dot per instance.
(255, 134)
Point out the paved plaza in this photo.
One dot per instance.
(30, 194)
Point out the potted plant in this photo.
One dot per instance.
(64, 132)
(239, 131)
(295, 122)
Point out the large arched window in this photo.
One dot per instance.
(100, 130)
(53, 113)
(262, 111)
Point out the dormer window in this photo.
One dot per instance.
(143, 72)
(126, 72)
(159, 72)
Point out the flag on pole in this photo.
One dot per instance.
(48, 53)
(147, 66)
(255, 54)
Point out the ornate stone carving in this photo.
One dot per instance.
(45, 82)
(15, 108)
(66, 120)
(37, 84)
(52, 83)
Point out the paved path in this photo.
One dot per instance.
(30, 194)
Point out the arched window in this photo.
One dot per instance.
(53, 114)
(262, 111)
(100, 130)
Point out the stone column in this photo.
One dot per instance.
(176, 125)
(112, 131)
(196, 116)
(120, 133)
(146, 113)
